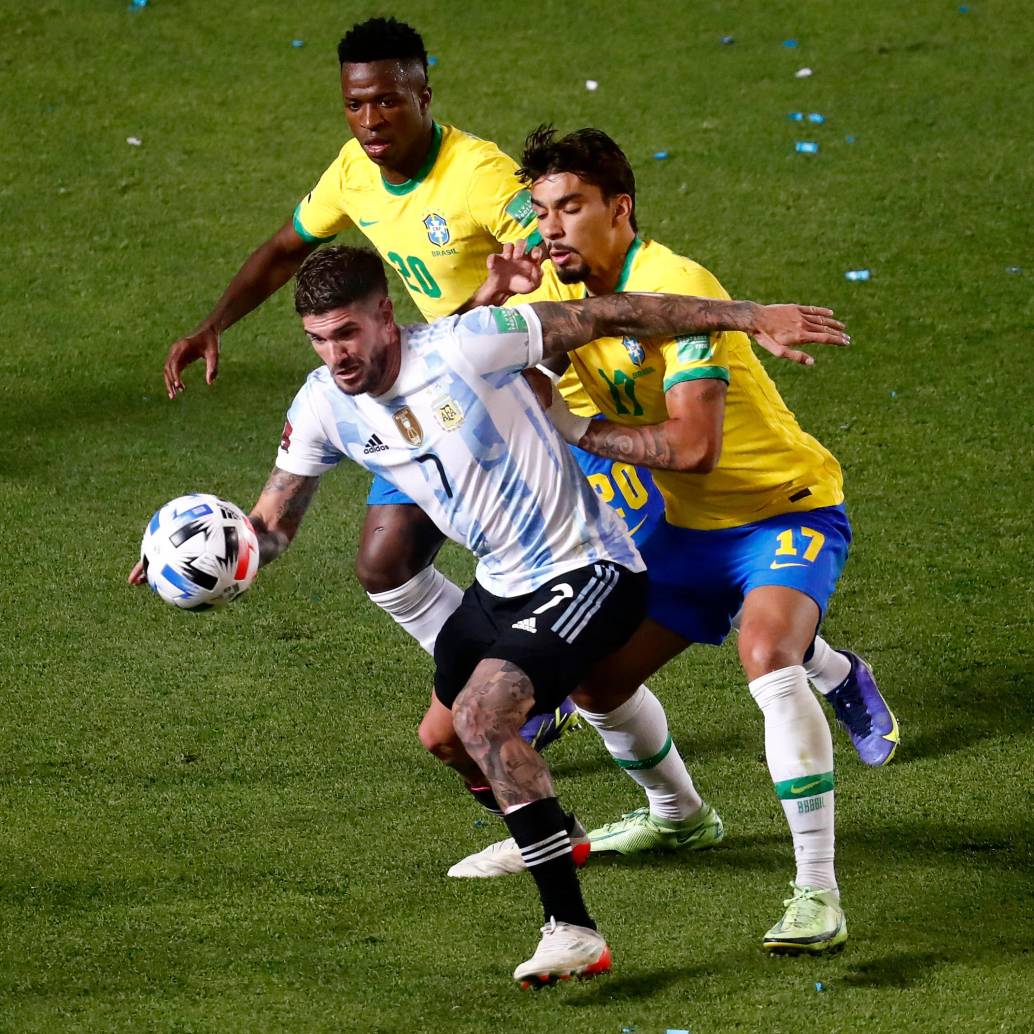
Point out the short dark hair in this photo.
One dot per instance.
(381, 39)
(589, 154)
(331, 278)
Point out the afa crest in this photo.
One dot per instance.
(437, 229)
(449, 414)
(635, 351)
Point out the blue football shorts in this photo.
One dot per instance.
(698, 579)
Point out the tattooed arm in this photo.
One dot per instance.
(568, 325)
(279, 511)
(690, 440)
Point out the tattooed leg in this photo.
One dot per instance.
(488, 716)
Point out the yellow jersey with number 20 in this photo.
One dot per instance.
(436, 229)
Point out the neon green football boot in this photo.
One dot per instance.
(638, 831)
(813, 922)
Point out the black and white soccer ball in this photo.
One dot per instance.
(199, 551)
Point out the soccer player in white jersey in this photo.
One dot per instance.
(436, 203)
(443, 412)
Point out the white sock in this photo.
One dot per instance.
(827, 667)
(422, 605)
(636, 735)
(799, 749)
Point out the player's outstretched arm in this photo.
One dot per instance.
(266, 270)
(568, 325)
(278, 513)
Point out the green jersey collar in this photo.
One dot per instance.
(626, 269)
(432, 156)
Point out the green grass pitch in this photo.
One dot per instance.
(224, 822)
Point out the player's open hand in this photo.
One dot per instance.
(514, 270)
(202, 344)
(777, 327)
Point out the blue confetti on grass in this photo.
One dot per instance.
(789, 43)
(296, 43)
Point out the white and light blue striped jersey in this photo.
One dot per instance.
(461, 433)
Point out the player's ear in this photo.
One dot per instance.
(387, 310)
(621, 209)
(424, 97)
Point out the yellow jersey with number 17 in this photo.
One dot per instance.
(436, 229)
(768, 464)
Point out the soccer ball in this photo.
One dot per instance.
(199, 552)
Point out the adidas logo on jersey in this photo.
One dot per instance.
(525, 625)
(374, 445)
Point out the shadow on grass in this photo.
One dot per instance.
(1002, 848)
(898, 969)
(989, 701)
(757, 853)
(634, 987)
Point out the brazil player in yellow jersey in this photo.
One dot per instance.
(754, 526)
(435, 202)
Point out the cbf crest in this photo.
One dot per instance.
(408, 425)
(635, 351)
(437, 229)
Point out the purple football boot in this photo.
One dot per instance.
(861, 710)
(541, 730)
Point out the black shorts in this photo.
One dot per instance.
(554, 635)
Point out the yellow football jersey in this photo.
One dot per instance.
(436, 229)
(768, 465)
(552, 290)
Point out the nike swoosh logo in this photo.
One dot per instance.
(806, 786)
(775, 565)
(368, 222)
(632, 531)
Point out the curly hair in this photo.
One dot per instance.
(589, 154)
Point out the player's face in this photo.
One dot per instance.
(387, 107)
(359, 344)
(583, 231)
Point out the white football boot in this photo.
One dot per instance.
(565, 951)
(504, 857)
